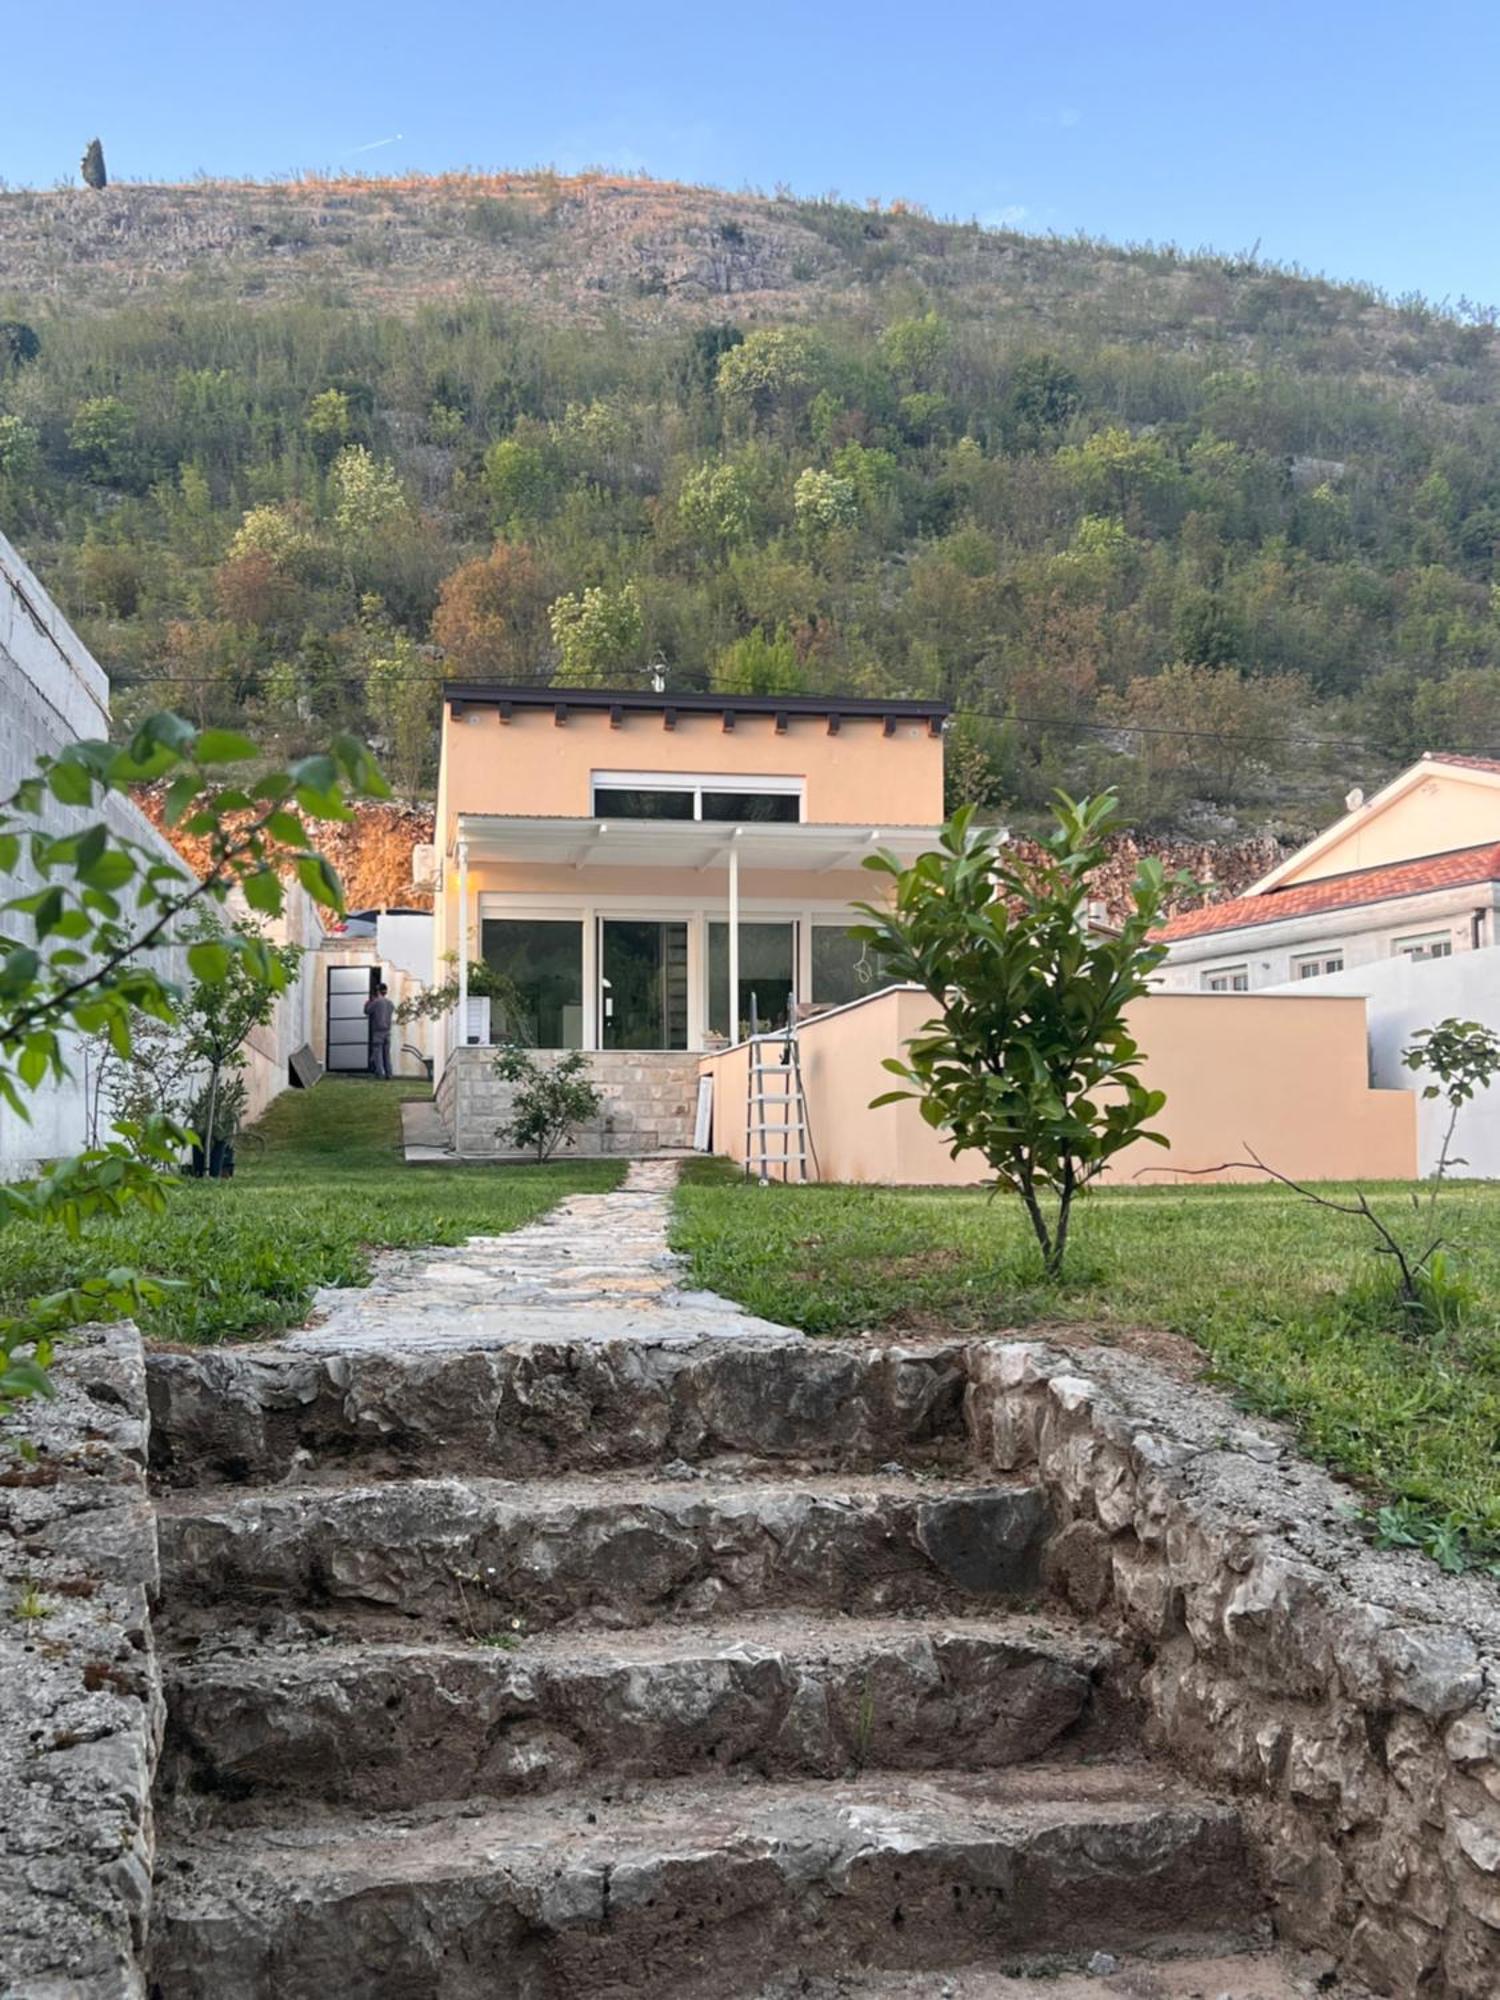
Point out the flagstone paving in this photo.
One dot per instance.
(595, 1268)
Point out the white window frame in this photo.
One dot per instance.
(588, 906)
(1315, 964)
(697, 783)
(1421, 946)
(1221, 977)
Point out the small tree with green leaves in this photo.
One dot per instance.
(1029, 1061)
(1464, 1056)
(218, 1018)
(551, 1100)
(91, 166)
(77, 959)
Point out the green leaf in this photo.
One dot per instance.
(180, 795)
(111, 871)
(222, 746)
(70, 783)
(320, 879)
(209, 961)
(263, 891)
(287, 827)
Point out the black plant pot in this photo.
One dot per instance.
(219, 1165)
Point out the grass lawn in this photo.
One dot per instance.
(1276, 1293)
(319, 1182)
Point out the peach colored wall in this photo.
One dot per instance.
(1283, 1073)
(1447, 809)
(532, 766)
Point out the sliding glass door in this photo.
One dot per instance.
(768, 977)
(643, 967)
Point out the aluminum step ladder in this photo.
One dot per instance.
(777, 1140)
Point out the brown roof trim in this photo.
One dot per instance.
(459, 695)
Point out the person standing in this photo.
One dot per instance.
(380, 1013)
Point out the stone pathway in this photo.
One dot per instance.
(596, 1267)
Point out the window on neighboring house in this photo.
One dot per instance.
(1315, 963)
(1431, 944)
(646, 795)
(1227, 979)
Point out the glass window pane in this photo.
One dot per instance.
(618, 803)
(543, 959)
(768, 959)
(644, 984)
(782, 806)
(843, 969)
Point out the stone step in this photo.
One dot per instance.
(382, 1726)
(687, 1891)
(1230, 1974)
(555, 1404)
(475, 1556)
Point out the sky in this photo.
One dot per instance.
(1353, 139)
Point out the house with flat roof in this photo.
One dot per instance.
(651, 873)
(1412, 873)
(649, 877)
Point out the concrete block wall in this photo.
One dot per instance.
(650, 1102)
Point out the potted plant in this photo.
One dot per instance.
(216, 1114)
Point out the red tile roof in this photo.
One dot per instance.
(1343, 892)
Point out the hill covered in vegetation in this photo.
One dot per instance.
(1218, 533)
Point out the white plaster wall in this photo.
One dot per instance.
(52, 693)
(269, 1050)
(404, 939)
(1402, 997)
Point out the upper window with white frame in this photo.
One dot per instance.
(1430, 944)
(653, 795)
(1227, 979)
(1313, 964)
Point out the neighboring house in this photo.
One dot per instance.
(53, 693)
(1412, 873)
(650, 871)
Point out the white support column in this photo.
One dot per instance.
(463, 944)
(734, 937)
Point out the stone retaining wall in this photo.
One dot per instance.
(80, 1697)
(1350, 1698)
(650, 1102)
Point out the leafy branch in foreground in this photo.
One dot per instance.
(100, 911)
(1029, 1062)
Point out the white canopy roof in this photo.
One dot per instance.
(684, 843)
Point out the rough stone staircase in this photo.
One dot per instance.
(704, 1667)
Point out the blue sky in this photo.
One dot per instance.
(1355, 139)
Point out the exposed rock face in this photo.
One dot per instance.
(1349, 1699)
(80, 1703)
